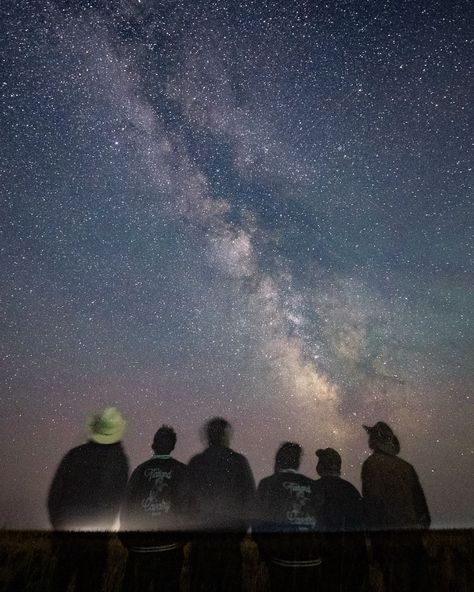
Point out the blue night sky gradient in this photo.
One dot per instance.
(256, 209)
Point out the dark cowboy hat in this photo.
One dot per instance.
(382, 434)
(380, 431)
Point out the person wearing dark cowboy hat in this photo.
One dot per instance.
(393, 496)
(155, 504)
(345, 565)
(287, 525)
(85, 494)
(394, 500)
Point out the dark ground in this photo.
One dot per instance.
(27, 559)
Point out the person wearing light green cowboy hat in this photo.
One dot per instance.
(85, 494)
(106, 427)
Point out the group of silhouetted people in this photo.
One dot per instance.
(310, 533)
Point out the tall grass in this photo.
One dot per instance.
(27, 561)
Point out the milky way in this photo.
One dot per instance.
(253, 209)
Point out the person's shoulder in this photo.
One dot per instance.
(244, 465)
(394, 460)
(304, 479)
(405, 463)
(407, 468)
(229, 455)
(81, 450)
(71, 457)
(80, 456)
(197, 458)
(238, 456)
(142, 467)
(267, 481)
(349, 487)
(383, 459)
(295, 477)
(373, 466)
(113, 453)
(370, 460)
(160, 463)
(321, 484)
(177, 464)
(84, 446)
(375, 460)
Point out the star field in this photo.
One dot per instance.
(254, 209)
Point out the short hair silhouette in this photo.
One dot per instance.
(164, 440)
(288, 456)
(218, 431)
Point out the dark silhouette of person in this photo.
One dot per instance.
(286, 529)
(85, 494)
(222, 494)
(394, 499)
(345, 564)
(155, 504)
(342, 502)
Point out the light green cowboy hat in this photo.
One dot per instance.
(107, 426)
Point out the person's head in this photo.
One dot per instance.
(329, 462)
(164, 440)
(288, 456)
(106, 426)
(218, 432)
(381, 437)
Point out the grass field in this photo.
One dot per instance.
(27, 559)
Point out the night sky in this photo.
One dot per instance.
(254, 209)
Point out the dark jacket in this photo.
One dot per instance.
(344, 550)
(393, 496)
(222, 490)
(155, 500)
(342, 509)
(87, 489)
(289, 503)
